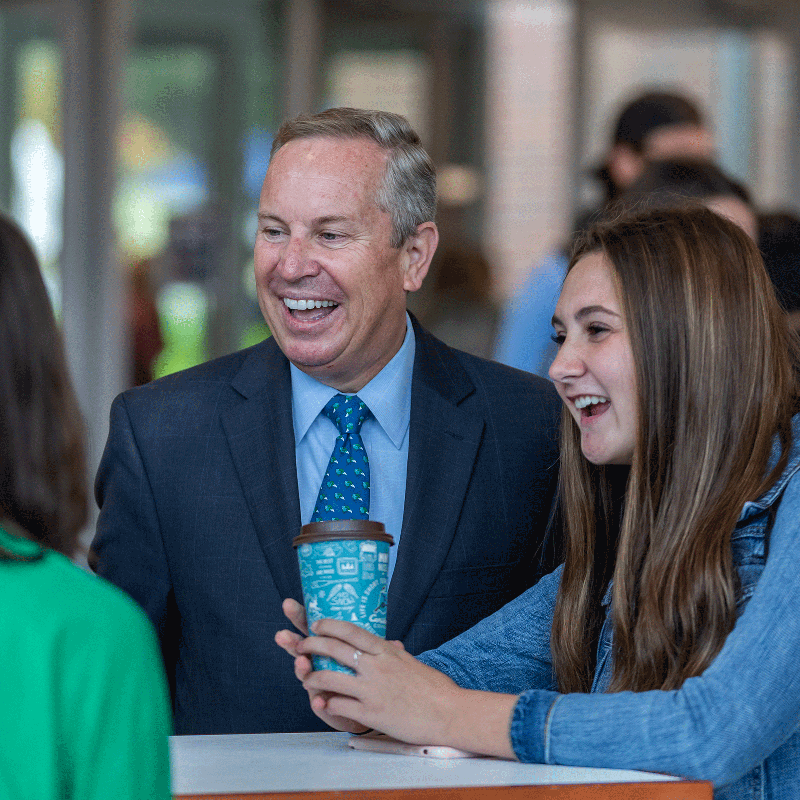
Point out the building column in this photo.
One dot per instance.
(303, 57)
(531, 82)
(774, 122)
(95, 42)
(794, 123)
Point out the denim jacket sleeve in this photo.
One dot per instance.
(508, 651)
(717, 726)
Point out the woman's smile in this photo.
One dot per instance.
(593, 371)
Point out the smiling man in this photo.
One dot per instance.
(331, 280)
(209, 474)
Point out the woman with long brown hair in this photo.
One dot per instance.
(82, 690)
(669, 639)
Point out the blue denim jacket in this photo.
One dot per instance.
(737, 724)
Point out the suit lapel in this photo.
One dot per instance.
(443, 445)
(261, 440)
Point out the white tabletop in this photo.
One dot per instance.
(296, 762)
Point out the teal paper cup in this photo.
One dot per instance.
(344, 567)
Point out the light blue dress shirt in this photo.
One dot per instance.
(385, 437)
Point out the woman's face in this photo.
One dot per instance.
(593, 371)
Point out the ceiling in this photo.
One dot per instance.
(746, 13)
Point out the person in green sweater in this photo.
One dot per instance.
(83, 697)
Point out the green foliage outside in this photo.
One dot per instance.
(183, 312)
(254, 333)
(184, 345)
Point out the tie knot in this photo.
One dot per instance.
(346, 413)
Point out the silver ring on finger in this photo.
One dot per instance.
(356, 654)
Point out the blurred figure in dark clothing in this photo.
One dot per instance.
(779, 243)
(655, 125)
(463, 314)
(668, 184)
(145, 326)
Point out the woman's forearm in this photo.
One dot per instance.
(480, 723)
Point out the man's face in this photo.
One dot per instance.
(683, 140)
(665, 143)
(330, 286)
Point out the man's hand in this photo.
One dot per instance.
(290, 641)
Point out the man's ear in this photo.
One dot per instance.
(418, 251)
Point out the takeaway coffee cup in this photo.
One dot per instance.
(344, 566)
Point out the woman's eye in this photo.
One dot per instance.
(558, 338)
(596, 330)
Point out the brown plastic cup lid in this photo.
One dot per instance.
(331, 529)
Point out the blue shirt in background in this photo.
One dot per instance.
(385, 437)
(524, 335)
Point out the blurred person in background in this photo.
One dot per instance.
(673, 183)
(779, 243)
(464, 314)
(655, 125)
(81, 683)
(143, 321)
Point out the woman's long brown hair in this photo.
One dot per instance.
(716, 381)
(42, 462)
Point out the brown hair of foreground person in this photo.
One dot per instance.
(716, 378)
(42, 462)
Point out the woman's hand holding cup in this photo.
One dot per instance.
(390, 691)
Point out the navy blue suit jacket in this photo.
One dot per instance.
(199, 504)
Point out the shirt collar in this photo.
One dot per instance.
(388, 394)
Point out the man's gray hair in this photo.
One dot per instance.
(408, 191)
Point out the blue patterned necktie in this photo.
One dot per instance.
(344, 493)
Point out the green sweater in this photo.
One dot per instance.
(83, 700)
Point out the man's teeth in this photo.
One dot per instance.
(589, 400)
(304, 305)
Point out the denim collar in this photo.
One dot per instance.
(774, 492)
